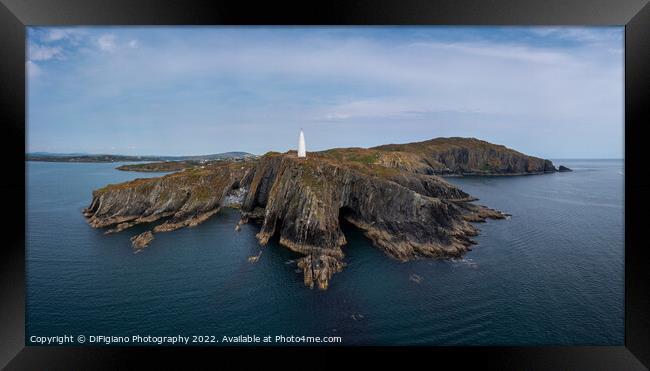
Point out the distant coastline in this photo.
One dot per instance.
(93, 158)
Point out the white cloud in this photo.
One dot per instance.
(580, 34)
(526, 87)
(423, 79)
(58, 34)
(504, 51)
(489, 77)
(33, 69)
(43, 53)
(107, 42)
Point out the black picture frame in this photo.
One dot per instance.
(15, 15)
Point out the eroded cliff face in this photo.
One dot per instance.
(464, 156)
(406, 215)
(388, 192)
(183, 199)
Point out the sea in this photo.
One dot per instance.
(551, 274)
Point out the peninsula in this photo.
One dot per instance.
(395, 194)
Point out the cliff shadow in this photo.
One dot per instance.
(349, 230)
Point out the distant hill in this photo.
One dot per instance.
(85, 157)
(460, 156)
(51, 154)
(218, 156)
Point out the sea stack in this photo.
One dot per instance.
(302, 151)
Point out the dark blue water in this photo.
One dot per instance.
(552, 274)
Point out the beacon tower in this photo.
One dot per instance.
(302, 151)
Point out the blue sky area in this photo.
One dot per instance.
(553, 92)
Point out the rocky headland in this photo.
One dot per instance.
(178, 165)
(394, 194)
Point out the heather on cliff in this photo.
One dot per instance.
(392, 193)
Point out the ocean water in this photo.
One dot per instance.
(552, 274)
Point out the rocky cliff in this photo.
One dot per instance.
(181, 199)
(464, 156)
(388, 192)
(406, 215)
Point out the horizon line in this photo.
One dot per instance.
(218, 153)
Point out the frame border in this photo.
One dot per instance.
(15, 15)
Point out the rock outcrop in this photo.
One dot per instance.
(182, 199)
(563, 168)
(391, 193)
(142, 240)
(464, 156)
(406, 215)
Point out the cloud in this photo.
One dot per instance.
(44, 53)
(404, 80)
(33, 69)
(581, 34)
(106, 42)
(507, 51)
(59, 34)
(490, 77)
(218, 78)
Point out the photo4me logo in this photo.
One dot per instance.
(281, 339)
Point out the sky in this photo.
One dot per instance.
(552, 92)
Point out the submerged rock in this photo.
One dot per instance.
(254, 258)
(416, 278)
(142, 240)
